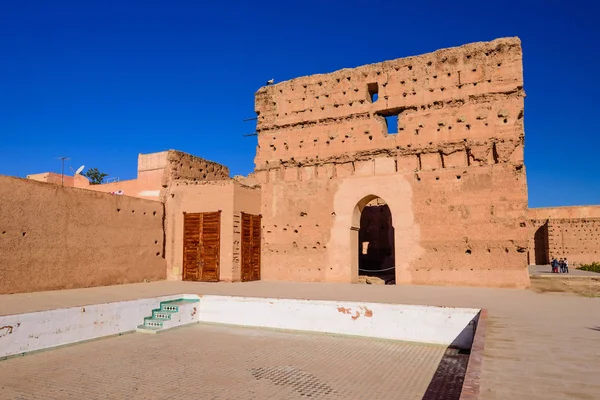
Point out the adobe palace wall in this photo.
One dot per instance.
(228, 196)
(157, 170)
(572, 232)
(55, 237)
(451, 171)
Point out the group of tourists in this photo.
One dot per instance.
(560, 266)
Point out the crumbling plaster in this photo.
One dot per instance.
(453, 175)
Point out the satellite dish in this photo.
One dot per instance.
(79, 169)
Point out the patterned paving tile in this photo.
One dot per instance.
(222, 362)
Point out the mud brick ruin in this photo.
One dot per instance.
(451, 170)
(406, 171)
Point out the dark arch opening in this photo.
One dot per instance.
(376, 255)
(540, 241)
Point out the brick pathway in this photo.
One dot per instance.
(539, 346)
(220, 362)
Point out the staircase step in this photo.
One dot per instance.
(163, 315)
(181, 301)
(173, 305)
(153, 322)
(171, 314)
(148, 329)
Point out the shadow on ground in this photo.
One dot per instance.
(595, 328)
(447, 382)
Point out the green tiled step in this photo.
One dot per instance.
(153, 329)
(162, 314)
(164, 318)
(173, 305)
(142, 328)
(150, 322)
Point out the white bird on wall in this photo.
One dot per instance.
(270, 81)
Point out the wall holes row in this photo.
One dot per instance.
(133, 211)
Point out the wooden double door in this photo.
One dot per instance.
(250, 235)
(201, 246)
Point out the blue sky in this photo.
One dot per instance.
(101, 82)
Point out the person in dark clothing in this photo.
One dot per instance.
(561, 265)
(554, 265)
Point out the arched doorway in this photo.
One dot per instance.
(540, 245)
(375, 241)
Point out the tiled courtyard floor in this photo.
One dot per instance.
(538, 346)
(226, 363)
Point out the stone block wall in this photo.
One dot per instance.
(452, 175)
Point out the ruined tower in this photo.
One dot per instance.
(437, 137)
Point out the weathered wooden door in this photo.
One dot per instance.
(201, 246)
(251, 247)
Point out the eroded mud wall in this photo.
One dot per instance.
(439, 137)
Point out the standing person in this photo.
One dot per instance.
(566, 266)
(561, 264)
(554, 265)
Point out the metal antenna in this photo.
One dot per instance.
(251, 134)
(250, 119)
(62, 170)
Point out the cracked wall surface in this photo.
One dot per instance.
(453, 174)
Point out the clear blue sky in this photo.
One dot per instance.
(103, 81)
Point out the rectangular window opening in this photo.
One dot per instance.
(373, 89)
(392, 124)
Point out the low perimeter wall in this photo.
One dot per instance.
(24, 333)
(55, 237)
(426, 324)
(446, 326)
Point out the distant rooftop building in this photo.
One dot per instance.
(79, 181)
(155, 172)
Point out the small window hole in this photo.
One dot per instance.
(373, 89)
(391, 122)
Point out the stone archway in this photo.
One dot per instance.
(351, 196)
